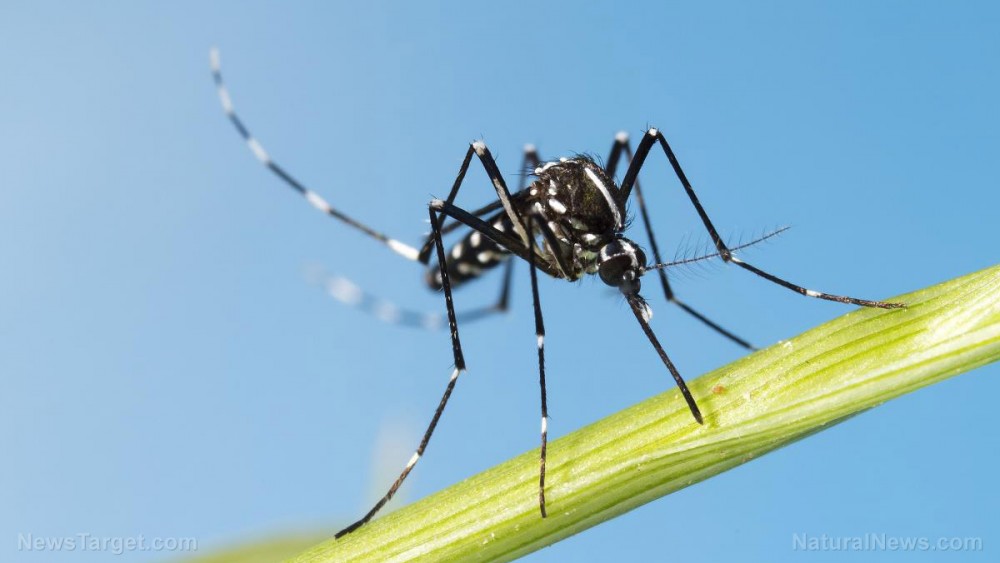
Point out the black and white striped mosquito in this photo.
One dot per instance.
(569, 222)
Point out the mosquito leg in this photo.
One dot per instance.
(312, 197)
(559, 258)
(503, 301)
(529, 161)
(500, 186)
(623, 146)
(640, 310)
(509, 242)
(348, 292)
(655, 136)
(540, 334)
(459, 368)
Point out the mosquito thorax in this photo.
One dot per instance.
(620, 263)
(578, 192)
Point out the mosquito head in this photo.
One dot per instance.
(620, 263)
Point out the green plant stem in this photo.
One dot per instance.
(752, 406)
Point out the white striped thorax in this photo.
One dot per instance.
(577, 193)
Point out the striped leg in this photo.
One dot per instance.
(631, 180)
(622, 145)
(540, 335)
(510, 242)
(346, 291)
(343, 289)
(529, 161)
(528, 164)
(459, 368)
(312, 197)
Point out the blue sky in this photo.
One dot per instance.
(170, 370)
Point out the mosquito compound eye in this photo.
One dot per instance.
(612, 270)
(621, 263)
(640, 258)
(619, 271)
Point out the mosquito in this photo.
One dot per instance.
(568, 223)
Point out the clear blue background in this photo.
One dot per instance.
(169, 370)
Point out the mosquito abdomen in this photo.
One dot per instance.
(471, 257)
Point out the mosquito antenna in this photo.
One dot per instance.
(704, 257)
